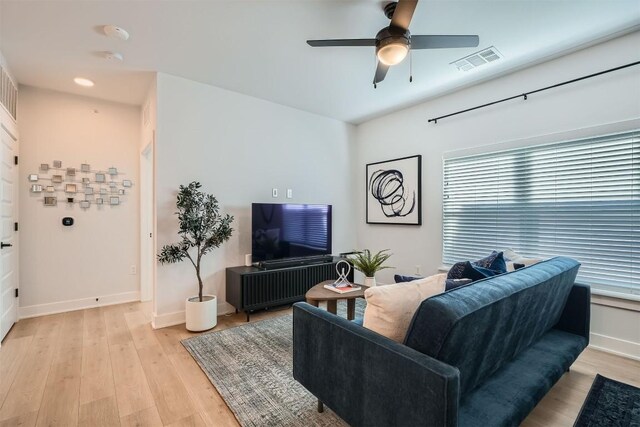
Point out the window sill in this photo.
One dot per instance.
(610, 299)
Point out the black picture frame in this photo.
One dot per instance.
(394, 191)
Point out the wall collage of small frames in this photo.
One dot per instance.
(84, 186)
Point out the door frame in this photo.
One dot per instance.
(148, 223)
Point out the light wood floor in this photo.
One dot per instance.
(107, 367)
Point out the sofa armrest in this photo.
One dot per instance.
(368, 379)
(576, 316)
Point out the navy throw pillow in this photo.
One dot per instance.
(517, 266)
(399, 278)
(494, 262)
(455, 283)
(464, 270)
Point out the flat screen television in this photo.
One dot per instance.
(289, 231)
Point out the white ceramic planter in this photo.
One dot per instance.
(370, 281)
(201, 315)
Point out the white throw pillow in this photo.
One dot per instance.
(390, 308)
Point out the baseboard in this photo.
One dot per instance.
(76, 304)
(615, 346)
(178, 317)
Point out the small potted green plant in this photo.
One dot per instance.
(370, 264)
(202, 228)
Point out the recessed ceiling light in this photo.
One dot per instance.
(113, 56)
(83, 82)
(115, 32)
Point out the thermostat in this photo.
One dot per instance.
(67, 221)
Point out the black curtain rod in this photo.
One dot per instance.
(524, 95)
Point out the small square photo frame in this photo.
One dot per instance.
(71, 171)
(70, 188)
(36, 188)
(88, 190)
(85, 204)
(100, 177)
(113, 184)
(113, 171)
(57, 164)
(70, 200)
(114, 200)
(127, 183)
(50, 201)
(56, 179)
(33, 178)
(51, 189)
(44, 167)
(85, 167)
(104, 191)
(86, 180)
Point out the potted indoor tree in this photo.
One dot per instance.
(370, 264)
(202, 228)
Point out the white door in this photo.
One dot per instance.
(8, 240)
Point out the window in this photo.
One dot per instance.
(578, 198)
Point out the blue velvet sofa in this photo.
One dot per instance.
(479, 355)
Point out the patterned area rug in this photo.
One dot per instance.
(251, 367)
(610, 403)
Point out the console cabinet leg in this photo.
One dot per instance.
(320, 406)
(248, 315)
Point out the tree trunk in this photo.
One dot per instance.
(199, 284)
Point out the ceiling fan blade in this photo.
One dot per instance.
(403, 13)
(341, 42)
(443, 42)
(381, 72)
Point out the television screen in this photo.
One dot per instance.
(289, 231)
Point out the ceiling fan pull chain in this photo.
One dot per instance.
(410, 66)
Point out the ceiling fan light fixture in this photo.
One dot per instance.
(393, 53)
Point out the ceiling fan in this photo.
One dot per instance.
(392, 43)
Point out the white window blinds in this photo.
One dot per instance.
(579, 199)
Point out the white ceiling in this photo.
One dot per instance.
(258, 47)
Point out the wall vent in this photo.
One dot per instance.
(8, 93)
(477, 59)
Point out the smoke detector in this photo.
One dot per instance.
(115, 32)
(477, 59)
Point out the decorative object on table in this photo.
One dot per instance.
(203, 228)
(36, 188)
(610, 403)
(70, 188)
(369, 264)
(50, 201)
(33, 178)
(56, 179)
(85, 168)
(44, 167)
(394, 189)
(343, 268)
(262, 351)
(57, 164)
(114, 200)
(71, 171)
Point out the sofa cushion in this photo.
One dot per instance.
(511, 393)
(465, 270)
(455, 283)
(400, 278)
(390, 308)
(493, 320)
(494, 262)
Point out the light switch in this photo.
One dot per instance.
(274, 192)
(289, 193)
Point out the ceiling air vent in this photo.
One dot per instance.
(477, 59)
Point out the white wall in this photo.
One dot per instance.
(240, 148)
(63, 268)
(607, 99)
